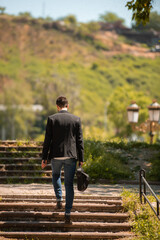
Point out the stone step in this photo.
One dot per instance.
(61, 226)
(20, 143)
(99, 201)
(25, 173)
(48, 207)
(25, 179)
(83, 196)
(19, 148)
(22, 160)
(21, 166)
(59, 216)
(19, 153)
(66, 235)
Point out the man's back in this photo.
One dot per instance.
(64, 135)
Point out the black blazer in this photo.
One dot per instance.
(63, 137)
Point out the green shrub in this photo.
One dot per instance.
(100, 45)
(123, 144)
(101, 164)
(154, 173)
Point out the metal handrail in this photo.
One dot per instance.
(142, 191)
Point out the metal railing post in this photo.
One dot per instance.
(144, 185)
(157, 208)
(142, 191)
(140, 185)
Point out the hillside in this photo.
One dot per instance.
(38, 63)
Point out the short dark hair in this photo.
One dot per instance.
(62, 102)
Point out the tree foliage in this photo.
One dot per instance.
(25, 14)
(110, 17)
(117, 109)
(154, 23)
(69, 19)
(16, 121)
(141, 10)
(48, 19)
(85, 30)
(2, 10)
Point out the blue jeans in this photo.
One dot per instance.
(69, 171)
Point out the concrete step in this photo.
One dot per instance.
(20, 148)
(20, 143)
(99, 201)
(21, 160)
(66, 235)
(25, 179)
(25, 173)
(48, 207)
(20, 153)
(83, 196)
(61, 226)
(59, 216)
(21, 166)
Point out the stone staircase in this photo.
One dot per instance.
(36, 217)
(21, 163)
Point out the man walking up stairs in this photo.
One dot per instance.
(63, 145)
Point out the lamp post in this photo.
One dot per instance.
(133, 112)
(150, 125)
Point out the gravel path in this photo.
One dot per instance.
(47, 189)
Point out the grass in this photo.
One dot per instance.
(146, 225)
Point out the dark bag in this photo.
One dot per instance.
(82, 179)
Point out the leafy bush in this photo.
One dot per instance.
(120, 143)
(107, 159)
(154, 173)
(101, 164)
(100, 46)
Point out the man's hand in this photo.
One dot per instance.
(80, 164)
(43, 164)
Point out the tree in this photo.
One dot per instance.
(70, 19)
(141, 10)
(117, 109)
(15, 119)
(25, 14)
(154, 23)
(49, 19)
(2, 9)
(110, 17)
(85, 30)
(92, 26)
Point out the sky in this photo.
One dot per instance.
(84, 10)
